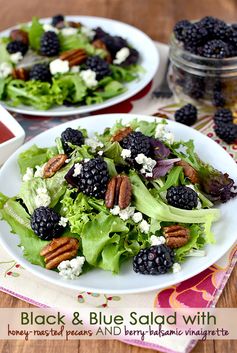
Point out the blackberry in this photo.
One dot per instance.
(216, 49)
(182, 197)
(57, 19)
(209, 23)
(132, 58)
(232, 38)
(137, 143)
(180, 29)
(17, 46)
(220, 30)
(227, 132)
(49, 44)
(155, 260)
(100, 33)
(223, 116)
(114, 43)
(195, 35)
(232, 49)
(100, 66)
(92, 179)
(186, 115)
(194, 86)
(40, 72)
(45, 223)
(218, 98)
(75, 137)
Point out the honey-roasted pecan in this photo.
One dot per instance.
(74, 24)
(74, 56)
(160, 115)
(176, 235)
(120, 134)
(119, 192)
(20, 73)
(189, 171)
(99, 44)
(19, 35)
(58, 250)
(54, 164)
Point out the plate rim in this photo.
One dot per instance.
(69, 284)
(93, 107)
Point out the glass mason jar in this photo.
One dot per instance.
(196, 79)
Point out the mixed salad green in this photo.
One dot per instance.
(109, 236)
(64, 63)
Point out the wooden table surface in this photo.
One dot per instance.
(156, 18)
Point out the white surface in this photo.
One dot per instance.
(138, 40)
(9, 146)
(127, 281)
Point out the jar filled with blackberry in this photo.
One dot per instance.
(203, 56)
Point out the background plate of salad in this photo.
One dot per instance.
(68, 65)
(172, 217)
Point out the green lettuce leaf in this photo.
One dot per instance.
(196, 241)
(113, 151)
(35, 156)
(35, 33)
(72, 87)
(78, 211)
(56, 187)
(4, 55)
(125, 74)
(112, 89)
(19, 220)
(97, 237)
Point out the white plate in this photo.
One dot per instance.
(138, 39)
(127, 281)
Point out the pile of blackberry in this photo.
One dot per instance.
(92, 179)
(75, 137)
(154, 260)
(210, 37)
(45, 223)
(186, 115)
(224, 126)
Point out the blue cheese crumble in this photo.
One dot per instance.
(71, 269)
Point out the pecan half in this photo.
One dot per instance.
(120, 134)
(58, 250)
(19, 35)
(20, 73)
(54, 164)
(176, 235)
(160, 115)
(99, 44)
(74, 56)
(74, 24)
(119, 192)
(189, 171)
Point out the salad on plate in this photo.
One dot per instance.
(47, 65)
(131, 193)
